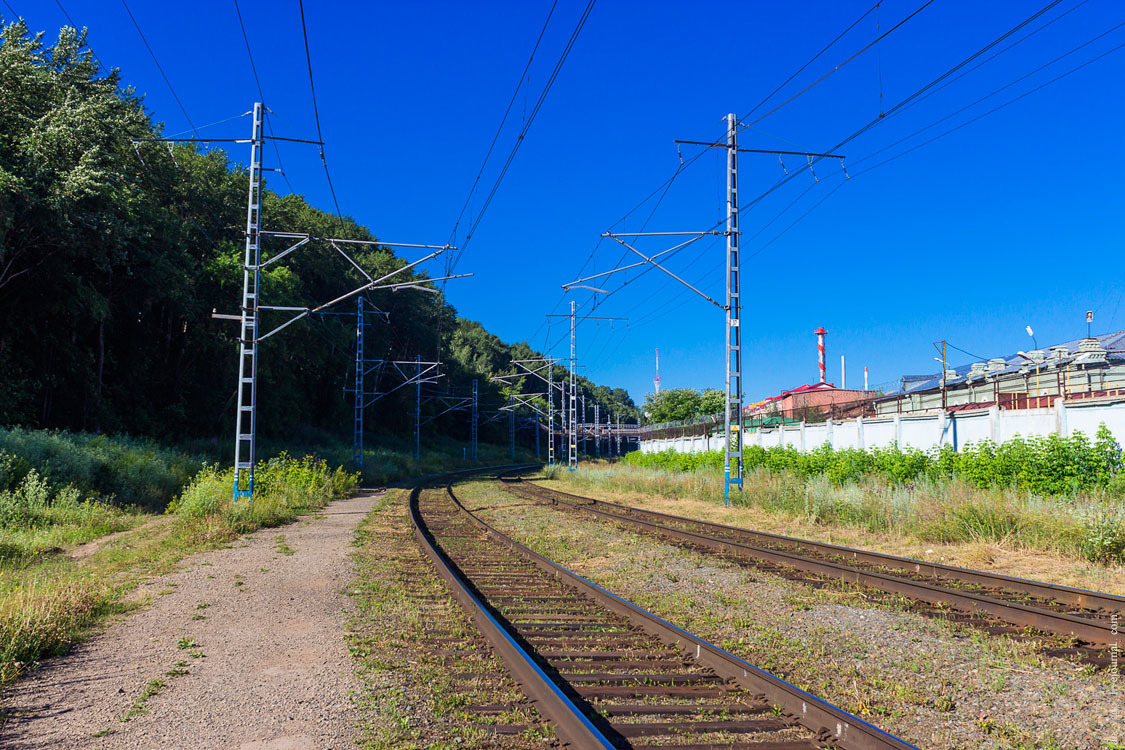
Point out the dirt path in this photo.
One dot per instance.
(242, 648)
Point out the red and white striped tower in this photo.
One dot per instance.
(820, 333)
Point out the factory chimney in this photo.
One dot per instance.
(820, 333)
(656, 380)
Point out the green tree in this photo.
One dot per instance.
(672, 405)
(712, 401)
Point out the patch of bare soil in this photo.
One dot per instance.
(242, 648)
(83, 551)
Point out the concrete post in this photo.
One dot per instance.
(1060, 417)
(859, 432)
(898, 430)
(994, 423)
(803, 446)
(831, 441)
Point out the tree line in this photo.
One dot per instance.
(113, 257)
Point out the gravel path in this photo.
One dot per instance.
(246, 644)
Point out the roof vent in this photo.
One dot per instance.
(1037, 355)
(996, 364)
(1090, 352)
(951, 375)
(1059, 351)
(978, 368)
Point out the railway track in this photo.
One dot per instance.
(606, 673)
(1080, 620)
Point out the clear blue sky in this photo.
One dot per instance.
(1010, 221)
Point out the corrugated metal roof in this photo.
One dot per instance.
(1113, 343)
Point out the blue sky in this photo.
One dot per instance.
(1010, 221)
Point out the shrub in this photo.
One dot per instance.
(283, 488)
(128, 471)
(1050, 465)
(1104, 539)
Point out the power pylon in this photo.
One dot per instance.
(250, 335)
(733, 440)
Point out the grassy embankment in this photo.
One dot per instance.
(1056, 496)
(58, 491)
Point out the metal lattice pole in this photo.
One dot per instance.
(418, 413)
(584, 453)
(732, 458)
(597, 432)
(619, 434)
(572, 431)
(473, 436)
(550, 413)
(357, 438)
(536, 436)
(245, 422)
(512, 426)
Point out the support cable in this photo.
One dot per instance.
(316, 112)
(523, 132)
(503, 120)
(262, 97)
(161, 69)
(75, 27)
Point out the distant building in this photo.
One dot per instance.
(1079, 369)
(810, 403)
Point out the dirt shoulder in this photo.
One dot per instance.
(242, 647)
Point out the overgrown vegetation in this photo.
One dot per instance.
(1054, 494)
(284, 487)
(121, 470)
(1050, 465)
(46, 601)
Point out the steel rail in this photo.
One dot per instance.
(570, 724)
(1064, 594)
(1089, 630)
(831, 723)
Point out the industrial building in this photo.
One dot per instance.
(1086, 368)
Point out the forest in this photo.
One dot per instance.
(114, 254)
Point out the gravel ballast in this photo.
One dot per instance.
(241, 648)
(916, 677)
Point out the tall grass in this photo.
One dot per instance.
(284, 487)
(44, 606)
(1088, 525)
(1050, 465)
(121, 470)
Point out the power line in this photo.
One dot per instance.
(871, 44)
(523, 132)
(73, 24)
(316, 112)
(158, 67)
(815, 57)
(504, 119)
(951, 130)
(261, 96)
(883, 117)
(851, 58)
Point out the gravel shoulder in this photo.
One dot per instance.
(240, 648)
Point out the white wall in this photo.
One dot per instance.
(927, 430)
